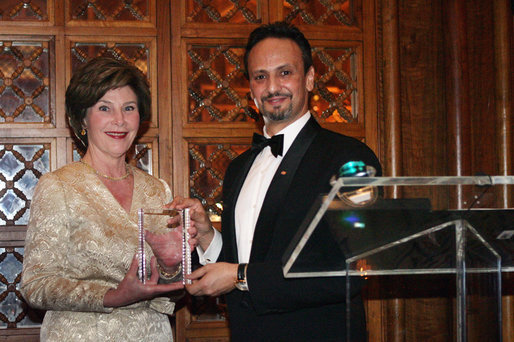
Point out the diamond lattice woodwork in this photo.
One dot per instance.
(23, 10)
(13, 310)
(334, 98)
(320, 12)
(223, 11)
(135, 53)
(25, 81)
(21, 166)
(109, 10)
(217, 88)
(207, 165)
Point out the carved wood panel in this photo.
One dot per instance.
(223, 11)
(20, 10)
(26, 81)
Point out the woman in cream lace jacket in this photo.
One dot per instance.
(80, 256)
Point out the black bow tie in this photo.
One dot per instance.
(276, 143)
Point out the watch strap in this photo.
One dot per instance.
(241, 283)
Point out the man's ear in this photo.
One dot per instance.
(254, 99)
(309, 79)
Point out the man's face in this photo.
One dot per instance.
(278, 83)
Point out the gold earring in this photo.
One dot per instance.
(83, 132)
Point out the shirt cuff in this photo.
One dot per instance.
(212, 252)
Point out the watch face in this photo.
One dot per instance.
(242, 286)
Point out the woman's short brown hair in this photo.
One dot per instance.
(95, 78)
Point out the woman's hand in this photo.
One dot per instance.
(132, 290)
(167, 248)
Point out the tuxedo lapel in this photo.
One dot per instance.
(278, 189)
(237, 184)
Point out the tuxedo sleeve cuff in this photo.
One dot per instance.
(212, 252)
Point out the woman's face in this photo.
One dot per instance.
(112, 123)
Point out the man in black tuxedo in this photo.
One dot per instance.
(267, 192)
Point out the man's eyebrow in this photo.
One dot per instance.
(280, 67)
(286, 65)
(259, 71)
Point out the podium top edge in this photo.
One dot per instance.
(427, 180)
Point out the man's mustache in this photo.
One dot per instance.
(269, 96)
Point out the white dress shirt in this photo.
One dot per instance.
(251, 197)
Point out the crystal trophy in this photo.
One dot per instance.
(159, 218)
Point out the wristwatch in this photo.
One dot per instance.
(241, 283)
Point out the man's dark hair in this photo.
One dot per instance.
(281, 30)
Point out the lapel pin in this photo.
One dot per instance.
(283, 173)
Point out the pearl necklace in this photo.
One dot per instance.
(106, 176)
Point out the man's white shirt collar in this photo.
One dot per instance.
(291, 131)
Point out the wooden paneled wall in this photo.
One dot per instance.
(446, 109)
(436, 89)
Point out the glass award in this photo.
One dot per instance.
(158, 218)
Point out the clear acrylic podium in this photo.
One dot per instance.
(416, 233)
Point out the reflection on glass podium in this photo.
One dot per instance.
(409, 237)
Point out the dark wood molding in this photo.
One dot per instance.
(503, 92)
(392, 90)
(457, 94)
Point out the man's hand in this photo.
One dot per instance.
(200, 231)
(213, 279)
